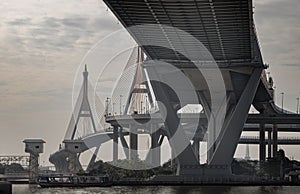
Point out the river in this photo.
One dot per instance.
(28, 189)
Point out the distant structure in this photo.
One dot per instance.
(66, 160)
(35, 147)
(247, 155)
(84, 109)
(23, 160)
(74, 147)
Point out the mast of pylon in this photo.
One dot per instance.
(85, 81)
(85, 109)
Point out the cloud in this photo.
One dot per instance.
(20, 21)
(278, 27)
(292, 65)
(3, 83)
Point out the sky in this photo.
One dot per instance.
(44, 42)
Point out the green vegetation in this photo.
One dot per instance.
(12, 168)
(117, 173)
(273, 168)
(244, 167)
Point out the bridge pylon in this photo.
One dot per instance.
(82, 110)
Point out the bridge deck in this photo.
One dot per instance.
(224, 27)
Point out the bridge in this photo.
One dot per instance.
(20, 178)
(214, 44)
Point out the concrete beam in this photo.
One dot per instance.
(232, 131)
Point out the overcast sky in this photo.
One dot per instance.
(42, 43)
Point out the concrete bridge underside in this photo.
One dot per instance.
(226, 29)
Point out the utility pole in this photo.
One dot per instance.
(282, 95)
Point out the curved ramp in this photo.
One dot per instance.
(59, 158)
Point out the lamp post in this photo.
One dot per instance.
(107, 103)
(297, 111)
(146, 104)
(282, 95)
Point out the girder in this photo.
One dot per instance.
(224, 27)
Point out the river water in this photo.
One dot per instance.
(28, 189)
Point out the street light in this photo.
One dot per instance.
(107, 103)
(147, 104)
(282, 95)
(297, 105)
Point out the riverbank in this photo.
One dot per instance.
(21, 189)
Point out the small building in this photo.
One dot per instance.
(35, 146)
(74, 146)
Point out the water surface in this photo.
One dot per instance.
(28, 189)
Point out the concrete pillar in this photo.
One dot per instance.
(262, 143)
(269, 143)
(275, 140)
(155, 149)
(196, 147)
(73, 147)
(34, 147)
(72, 163)
(133, 136)
(124, 143)
(115, 143)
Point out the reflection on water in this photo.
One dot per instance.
(28, 189)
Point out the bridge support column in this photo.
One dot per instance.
(262, 143)
(155, 145)
(196, 147)
(34, 147)
(234, 123)
(186, 157)
(115, 143)
(154, 152)
(269, 143)
(275, 140)
(124, 143)
(133, 154)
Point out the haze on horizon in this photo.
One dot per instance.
(42, 44)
